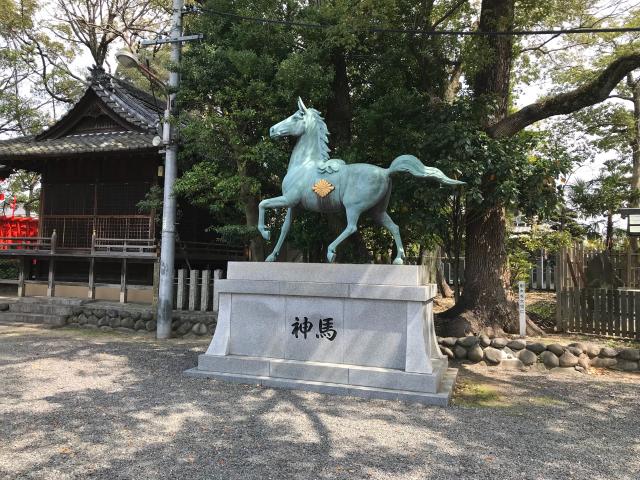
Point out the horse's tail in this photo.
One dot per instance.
(410, 164)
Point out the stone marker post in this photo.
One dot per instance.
(521, 309)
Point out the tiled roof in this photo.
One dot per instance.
(140, 111)
(73, 144)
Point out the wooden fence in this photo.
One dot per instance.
(614, 312)
(196, 290)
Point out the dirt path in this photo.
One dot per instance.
(88, 404)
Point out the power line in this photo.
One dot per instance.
(273, 21)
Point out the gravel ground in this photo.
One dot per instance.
(90, 404)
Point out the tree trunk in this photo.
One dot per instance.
(339, 114)
(256, 244)
(609, 233)
(635, 148)
(443, 286)
(486, 304)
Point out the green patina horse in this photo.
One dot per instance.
(318, 183)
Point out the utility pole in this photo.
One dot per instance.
(170, 141)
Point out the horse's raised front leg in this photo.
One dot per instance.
(385, 220)
(352, 226)
(276, 202)
(283, 235)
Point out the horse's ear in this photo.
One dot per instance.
(301, 105)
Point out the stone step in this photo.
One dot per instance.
(43, 308)
(53, 300)
(39, 318)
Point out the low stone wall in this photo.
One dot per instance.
(183, 324)
(520, 353)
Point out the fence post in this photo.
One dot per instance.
(217, 275)
(22, 273)
(123, 281)
(193, 289)
(180, 297)
(559, 280)
(156, 283)
(204, 291)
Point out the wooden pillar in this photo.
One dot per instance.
(217, 275)
(51, 284)
(181, 290)
(123, 281)
(205, 291)
(92, 279)
(193, 289)
(22, 273)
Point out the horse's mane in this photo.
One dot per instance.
(323, 134)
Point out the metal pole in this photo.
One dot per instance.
(167, 246)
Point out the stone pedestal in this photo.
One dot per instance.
(363, 330)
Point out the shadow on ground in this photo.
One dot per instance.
(75, 405)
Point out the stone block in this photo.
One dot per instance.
(333, 373)
(364, 323)
(517, 344)
(550, 359)
(556, 349)
(392, 380)
(632, 354)
(258, 325)
(231, 364)
(536, 347)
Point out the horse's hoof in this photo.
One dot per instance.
(266, 234)
(271, 258)
(398, 261)
(331, 256)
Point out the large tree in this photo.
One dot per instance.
(486, 302)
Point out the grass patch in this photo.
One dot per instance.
(477, 395)
(546, 401)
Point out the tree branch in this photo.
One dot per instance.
(595, 91)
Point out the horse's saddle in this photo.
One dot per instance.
(330, 166)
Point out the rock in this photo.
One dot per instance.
(103, 322)
(577, 345)
(608, 352)
(512, 363)
(475, 353)
(493, 355)
(112, 313)
(485, 341)
(583, 361)
(82, 319)
(517, 344)
(186, 326)
(575, 351)
(105, 328)
(527, 357)
(98, 312)
(146, 315)
(508, 353)
(556, 349)
(580, 369)
(92, 320)
(549, 359)
(599, 362)
(124, 313)
(460, 352)
(568, 359)
(113, 322)
(499, 342)
(136, 316)
(536, 347)
(199, 329)
(139, 325)
(438, 340)
(448, 352)
(626, 365)
(449, 341)
(127, 322)
(124, 330)
(150, 325)
(592, 350)
(469, 341)
(632, 354)
(76, 309)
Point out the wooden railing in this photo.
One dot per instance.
(138, 247)
(18, 245)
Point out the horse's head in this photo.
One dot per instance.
(293, 126)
